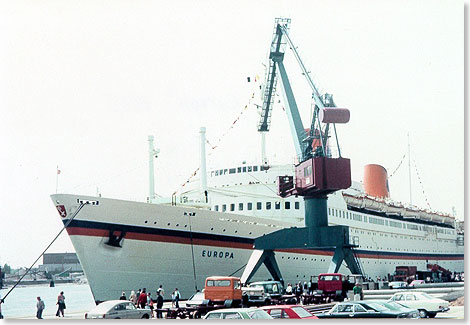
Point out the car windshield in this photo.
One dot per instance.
(197, 296)
(329, 278)
(301, 312)
(103, 308)
(259, 314)
(376, 306)
(392, 305)
(425, 295)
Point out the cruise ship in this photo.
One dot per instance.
(125, 245)
(210, 228)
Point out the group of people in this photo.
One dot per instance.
(143, 299)
(299, 289)
(40, 306)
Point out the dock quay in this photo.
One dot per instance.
(448, 291)
(455, 312)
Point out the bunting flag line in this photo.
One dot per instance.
(422, 185)
(401, 161)
(221, 137)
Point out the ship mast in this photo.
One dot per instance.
(153, 153)
(202, 132)
(409, 167)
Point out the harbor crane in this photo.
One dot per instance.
(317, 172)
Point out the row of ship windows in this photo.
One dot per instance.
(377, 221)
(402, 237)
(259, 206)
(243, 169)
(356, 231)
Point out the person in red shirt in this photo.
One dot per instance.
(142, 301)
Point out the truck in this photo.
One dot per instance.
(226, 290)
(327, 287)
(434, 273)
(405, 273)
(219, 292)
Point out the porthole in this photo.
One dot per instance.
(146, 221)
(249, 233)
(224, 230)
(177, 224)
(168, 223)
(154, 222)
(212, 228)
(185, 226)
(236, 231)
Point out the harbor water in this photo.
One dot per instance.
(21, 302)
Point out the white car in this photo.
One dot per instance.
(397, 285)
(427, 305)
(238, 313)
(195, 300)
(117, 309)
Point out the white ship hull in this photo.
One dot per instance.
(169, 245)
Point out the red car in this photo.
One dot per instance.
(288, 311)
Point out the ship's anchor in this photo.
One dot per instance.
(115, 240)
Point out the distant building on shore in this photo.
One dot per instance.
(60, 262)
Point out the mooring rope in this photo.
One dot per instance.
(65, 226)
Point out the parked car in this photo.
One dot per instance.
(272, 289)
(196, 299)
(397, 285)
(363, 309)
(255, 296)
(117, 309)
(238, 313)
(288, 311)
(396, 306)
(428, 306)
(416, 282)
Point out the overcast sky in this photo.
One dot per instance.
(83, 83)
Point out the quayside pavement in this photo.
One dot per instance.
(455, 312)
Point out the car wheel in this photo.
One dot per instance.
(432, 315)
(145, 316)
(423, 313)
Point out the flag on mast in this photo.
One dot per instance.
(57, 180)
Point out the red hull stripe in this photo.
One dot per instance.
(81, 231)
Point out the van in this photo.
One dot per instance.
(225, 290)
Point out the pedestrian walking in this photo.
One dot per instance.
(345, 287)
(1, 302)
(161, 291)
(40, 305)
(133, 297)
(123, 296)
(159, 305)
(142, 301)
(289, 289)
(150, 303)
(176, 297)
(357, 291)
(61, 304)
